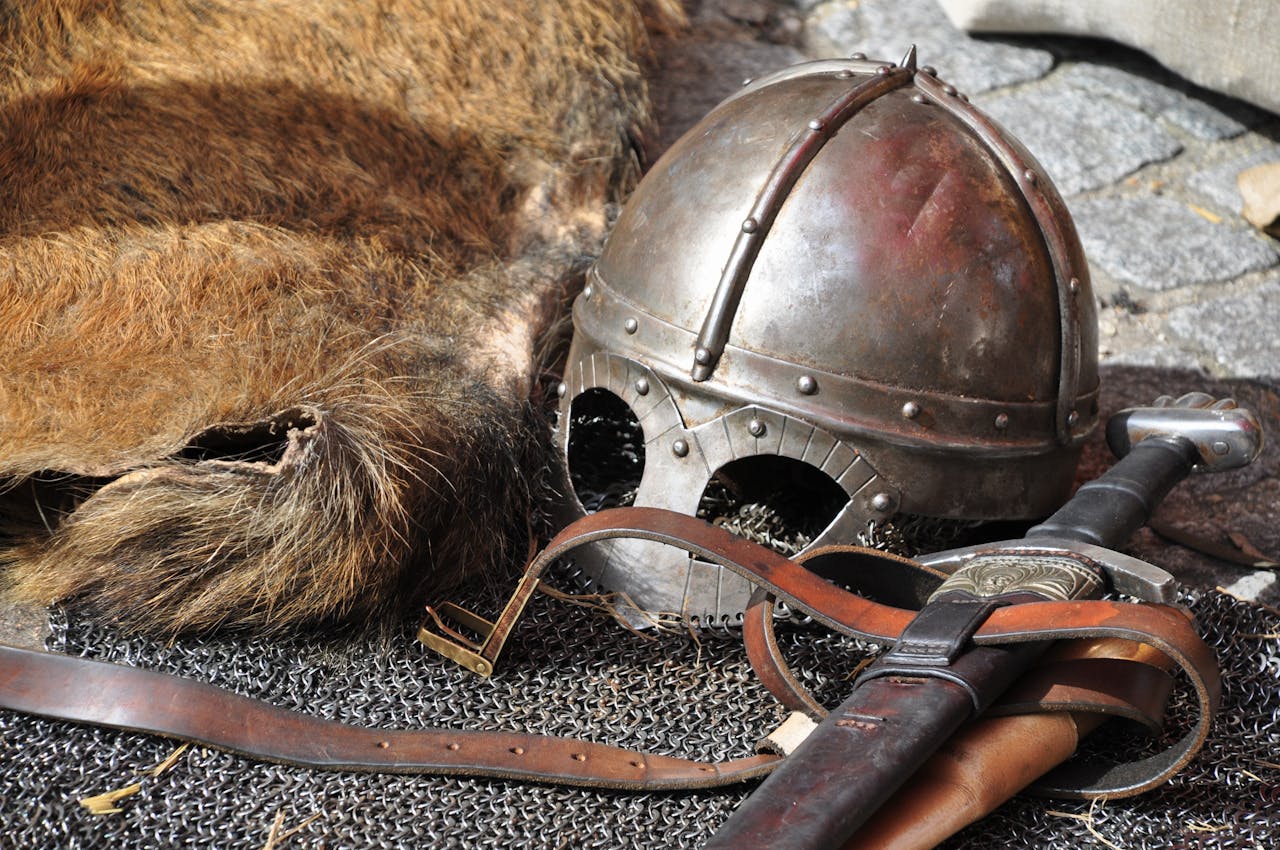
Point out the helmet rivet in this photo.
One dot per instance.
(844, 74)
(883, 69)
(949, 89)
(630, 325)
(910, 410)
(815, 125)
(1074, 285)
(642, 386)
(680, 448)
(930, 70)
(588, 291)
(562, 390)
(882, 502)
(806, 385)
(1220, 447)
(1030, 175)
(858, 56)
(919, 98)
(756, 428)
(1002, 421)
(1072, 418)
(701, 356)
(750, 225)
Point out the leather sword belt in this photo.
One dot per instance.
(85, 691)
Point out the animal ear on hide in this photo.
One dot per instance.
(274, 285)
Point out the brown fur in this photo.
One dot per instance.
(272, 278)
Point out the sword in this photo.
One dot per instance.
(911, 700)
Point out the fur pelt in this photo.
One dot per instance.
(273, 278)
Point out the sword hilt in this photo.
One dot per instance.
(1158, 446)
(933, 679)
(1225, 435)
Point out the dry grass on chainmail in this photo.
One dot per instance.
(1087, 820)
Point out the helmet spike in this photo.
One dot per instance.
(909, 60)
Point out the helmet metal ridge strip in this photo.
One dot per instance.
(786, 171)
(1071, 270)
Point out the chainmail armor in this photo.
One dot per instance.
(568, 671)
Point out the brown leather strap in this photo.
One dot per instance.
(84, 691)
(1116, 686)
(1128, 689)
(1161, 626)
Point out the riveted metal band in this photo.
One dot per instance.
(865, 408)
(746, 247)
(1041, 198)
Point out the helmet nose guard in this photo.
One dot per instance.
(848, 265)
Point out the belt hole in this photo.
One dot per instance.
(579, 757)
(518, 750)
(453, 746)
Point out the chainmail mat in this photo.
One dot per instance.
(573, 671)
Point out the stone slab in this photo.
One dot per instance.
(1239, 330)
(884, 29)
(1218, 183)
(1157, 243)
(1159, 97)
(1083, 141)
(1152, 356)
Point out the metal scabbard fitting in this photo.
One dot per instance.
(844, 268)
(1047, 576)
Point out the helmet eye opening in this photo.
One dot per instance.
(605, 450)
(777, 501)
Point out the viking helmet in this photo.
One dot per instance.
(848, 277)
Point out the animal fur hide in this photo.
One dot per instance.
(273, 278)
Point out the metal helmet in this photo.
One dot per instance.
(848, 267)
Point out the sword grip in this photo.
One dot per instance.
(1107, 510)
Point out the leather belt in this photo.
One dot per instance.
(138, 700)
(94, 692)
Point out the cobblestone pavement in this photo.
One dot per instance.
(1188, 292)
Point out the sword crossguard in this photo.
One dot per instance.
(1225, 435)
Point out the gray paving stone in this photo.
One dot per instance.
(1196, 116)
(1157, 356)
(884, 29)
(1218, 183)
(1084, 141)
(1158, 243)
(1239, 330)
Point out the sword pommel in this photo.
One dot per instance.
(1225, 436)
